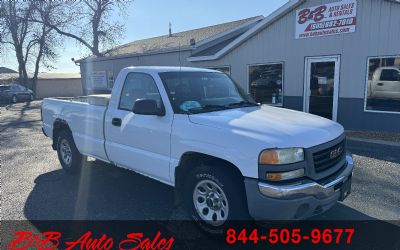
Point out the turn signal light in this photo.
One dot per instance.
(269, 157)
(285, 175)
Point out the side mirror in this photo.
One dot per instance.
(147, 107)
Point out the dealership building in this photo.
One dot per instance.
(336, 59)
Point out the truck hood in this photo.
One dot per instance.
(276, 127)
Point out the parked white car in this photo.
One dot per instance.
(385, 83)
(196, 130)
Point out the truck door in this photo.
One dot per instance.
(134, 141)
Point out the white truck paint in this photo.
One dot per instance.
(154, 145)
(385, 83)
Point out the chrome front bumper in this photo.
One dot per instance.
(309, 188)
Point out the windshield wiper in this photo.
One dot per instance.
(214, 107)
(208, 107)
(243, 104)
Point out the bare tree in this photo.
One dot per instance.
(33, 42)
(16, 32)
(47, 40)
(89, 23)
(29, 28)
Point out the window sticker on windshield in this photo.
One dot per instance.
(189, 105)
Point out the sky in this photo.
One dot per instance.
(150, 18)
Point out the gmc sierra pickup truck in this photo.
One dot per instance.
(195, 129)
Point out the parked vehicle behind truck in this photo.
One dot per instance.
(195, 129)
(385, 83)
(15, 93)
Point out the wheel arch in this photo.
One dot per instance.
(191, 160)
(59, 125)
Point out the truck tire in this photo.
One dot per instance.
(215, 198)
(70, 158)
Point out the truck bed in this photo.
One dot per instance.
(98, 100)
(84, 115)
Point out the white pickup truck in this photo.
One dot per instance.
(385, 83)
(196, 130)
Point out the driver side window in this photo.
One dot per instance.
(390, 75)
(138, 86)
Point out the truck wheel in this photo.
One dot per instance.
(214, 198)
(70, 158)
(14, 99)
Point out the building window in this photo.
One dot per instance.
(383, 85)
(224, 69)
(266, 83)
(110, 79)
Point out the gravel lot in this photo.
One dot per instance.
(33, 186)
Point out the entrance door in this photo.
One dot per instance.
(322, 86)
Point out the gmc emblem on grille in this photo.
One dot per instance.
(336, 152)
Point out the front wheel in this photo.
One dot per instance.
(14, 99)
(214, 198)
(70, 158)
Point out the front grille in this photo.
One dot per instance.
(328, 158)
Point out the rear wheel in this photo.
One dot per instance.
(70, 158)
(214, 198)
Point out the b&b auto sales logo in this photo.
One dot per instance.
(329, 19)
(51, 240)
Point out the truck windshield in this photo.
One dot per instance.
(199, 92)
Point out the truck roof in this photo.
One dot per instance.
(160, 69)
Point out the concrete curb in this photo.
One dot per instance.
(381, 142)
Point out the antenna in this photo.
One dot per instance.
(179, 55)
(179, 41)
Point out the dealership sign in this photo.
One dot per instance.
(328, 19)
(99, 79)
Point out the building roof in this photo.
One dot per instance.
(215, 48)
(9, 76)
(212, 42)
(223, 50)
(4, 70)
(43, 76)
(176, 41)
(50, 76)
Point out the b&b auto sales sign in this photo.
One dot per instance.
(328, 19)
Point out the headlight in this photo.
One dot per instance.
(281, 156)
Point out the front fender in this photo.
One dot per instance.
(215, 142)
